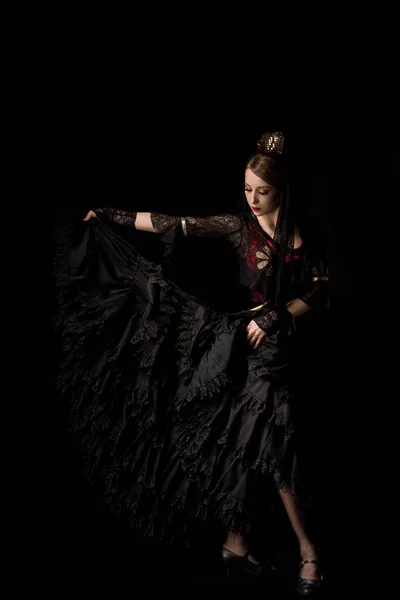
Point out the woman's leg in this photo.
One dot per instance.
(298, 522)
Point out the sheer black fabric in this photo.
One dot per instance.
(176, 416)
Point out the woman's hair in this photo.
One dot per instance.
(269, 167)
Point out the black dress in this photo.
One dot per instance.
(179, 421)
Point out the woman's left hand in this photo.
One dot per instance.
(255, 335)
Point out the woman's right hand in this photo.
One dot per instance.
(91, 214)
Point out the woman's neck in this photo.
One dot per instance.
(268, 221)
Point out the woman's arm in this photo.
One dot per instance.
(313, 294)
(140, 220)
(214, 226)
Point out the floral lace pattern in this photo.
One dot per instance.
(121, 217)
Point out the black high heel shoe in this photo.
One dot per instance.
(307, 587)
(235, 563)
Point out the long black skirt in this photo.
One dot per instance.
(179, 422)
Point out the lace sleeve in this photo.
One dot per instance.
(269, 319)
(116, 215)
(163, 223)
(225, 225)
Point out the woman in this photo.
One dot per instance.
(182, 411)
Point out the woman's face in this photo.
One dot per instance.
(262, 197)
